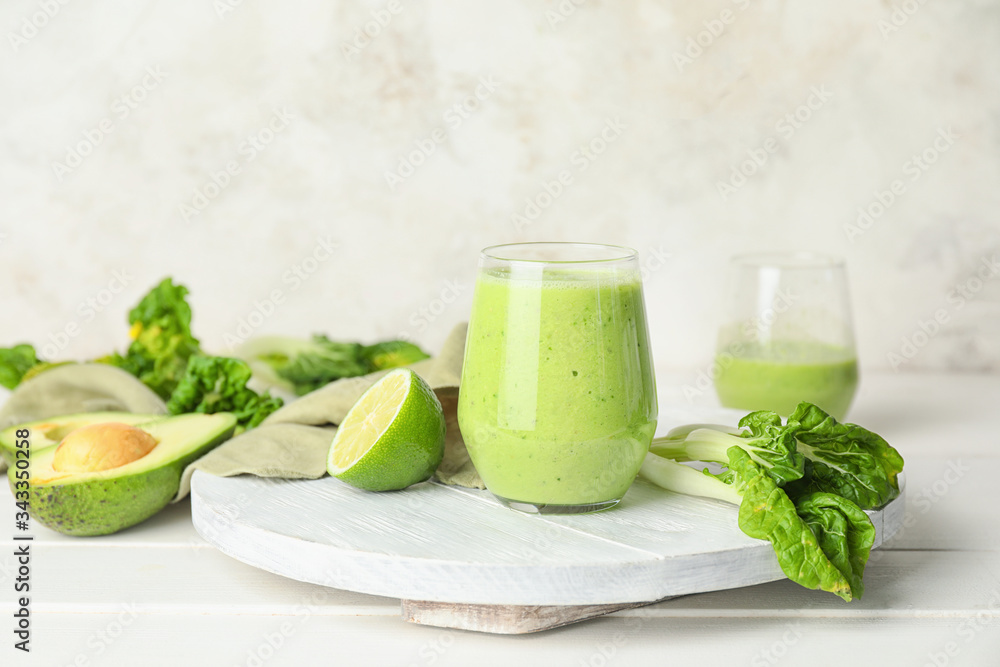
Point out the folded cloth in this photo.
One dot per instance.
(66, 390)
(294, 441)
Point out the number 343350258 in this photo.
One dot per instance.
(21, 473)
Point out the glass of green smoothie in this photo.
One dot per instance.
(557, 404)
(788, 335)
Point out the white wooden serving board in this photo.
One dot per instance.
(458, 558)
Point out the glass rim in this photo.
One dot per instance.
(616, 253)
(802, 259)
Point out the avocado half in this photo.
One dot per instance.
(107, 501)
(45, 433)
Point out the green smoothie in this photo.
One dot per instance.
(779, 375)
(558, 399)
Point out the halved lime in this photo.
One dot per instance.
(393, 436)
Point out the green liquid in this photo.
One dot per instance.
(558, 400)
(778, 376)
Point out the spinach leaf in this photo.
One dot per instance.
(767, 513)
(844, 459)
(844, 533)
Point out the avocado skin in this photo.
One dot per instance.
(106, 506)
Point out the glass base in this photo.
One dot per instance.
(544, 508)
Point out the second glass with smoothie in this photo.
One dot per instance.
(788, 337)
(557, 404)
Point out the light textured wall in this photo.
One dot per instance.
(164, 97)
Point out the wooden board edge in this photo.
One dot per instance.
(506, 619)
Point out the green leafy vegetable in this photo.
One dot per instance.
(162, 341)
(303, 366)
(15, 362)
(322, 363)
(844, 532)
(811, 452)
(844, 459)
(392, 354)
(219, 384)
(802, 485)
(814, 546)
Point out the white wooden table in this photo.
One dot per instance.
(160, 595)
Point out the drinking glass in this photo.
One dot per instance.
(557, 403)
(787, 336)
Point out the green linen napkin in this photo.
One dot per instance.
(293, 442)
(65, 390)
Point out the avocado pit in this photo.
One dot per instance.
(101, 447)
